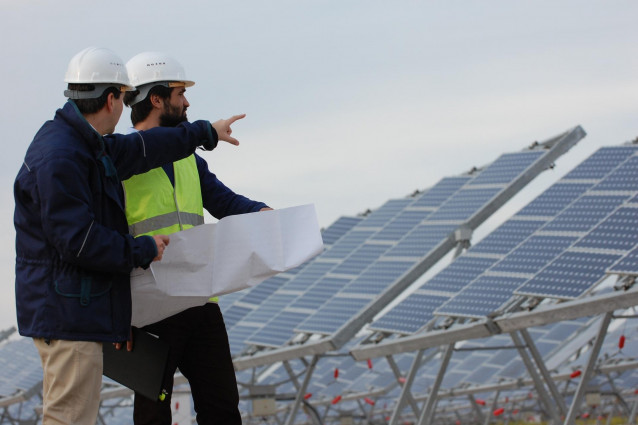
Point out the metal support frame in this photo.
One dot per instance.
(549, 382)
(593, 356)
(291, 373)
(569, 310)
(488, 417)
(302, 389)
(406, 395)
(538, 383)
(632, 415)
(474, 406)
(622, 403)
(430, 404)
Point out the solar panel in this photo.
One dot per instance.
(337, 229)
(507, 167)
(554, 199)
(507, 236)
(534, 254)
(360, 259)
(601, 163)
(464, 204)
(420, 306)
(421, 240)
(441, 192)
(457, 275)
(618, 232)
(384, 249)
(485, 295)
(569, 275)
(425, 237)
(625, 178)
(627, 265)
(483, 280)
(585, 213)
(355, 253)
(377, 277)
(19, 367)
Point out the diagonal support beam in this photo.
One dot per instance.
(587, 373)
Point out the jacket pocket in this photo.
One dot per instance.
(85, 304)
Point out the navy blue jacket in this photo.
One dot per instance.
(218, 199)
(73, 251)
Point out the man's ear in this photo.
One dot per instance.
(110, 102)
(156, 101)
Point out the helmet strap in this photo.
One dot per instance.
(90, 94)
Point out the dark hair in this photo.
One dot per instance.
(141, 110)
(91, 106)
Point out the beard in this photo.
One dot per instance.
(172, 116)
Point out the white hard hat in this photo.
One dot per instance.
(97, 66)
(149, 69)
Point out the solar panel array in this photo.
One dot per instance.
(377, 252)
(556, 246)
(236, 306)
(20, 366)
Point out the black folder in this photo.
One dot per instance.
(142, 369)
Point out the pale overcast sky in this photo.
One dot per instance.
(349, 103)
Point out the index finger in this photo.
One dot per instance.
(235, 118)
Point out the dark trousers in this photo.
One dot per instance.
(199, 348)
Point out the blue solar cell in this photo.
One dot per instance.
(385, 213)
(482, 374)
(439, 193)
(624, 177)
(618, 231)
(266, 311)
(332, 315)
(237, 337)
(421, 240)
(506, 237)
(601, 162)
(20, 366)
(409, 315)
(234, 314)
(360, 259)
(259, 293)
(347, 243)
(339, 228)
(554, 199)
(464, 204)
(485, 295)
(568, 276)
(317, 295)
(628, 264)
(401, 225)
(584, 213)
(278, 331)
(378, 277)
(534, 254)
(507, 167)
(458, 274)
(308, 276)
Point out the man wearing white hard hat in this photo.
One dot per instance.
(73, 251)
(166, 200)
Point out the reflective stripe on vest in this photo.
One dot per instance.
(154, 206)
(165, 220)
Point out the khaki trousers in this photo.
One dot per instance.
(71, 381)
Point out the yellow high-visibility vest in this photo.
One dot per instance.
(155, 207)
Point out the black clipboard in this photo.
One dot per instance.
(142, 369)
